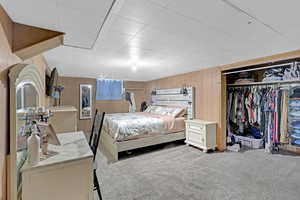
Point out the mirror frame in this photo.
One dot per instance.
(18, 74)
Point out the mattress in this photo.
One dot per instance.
(127, 126)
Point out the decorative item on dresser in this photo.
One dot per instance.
(201, 134)
(67, 115)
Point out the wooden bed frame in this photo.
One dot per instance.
(114, 148)
(159, 97)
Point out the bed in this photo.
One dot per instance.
(162, 122)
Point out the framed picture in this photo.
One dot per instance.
(85, 101)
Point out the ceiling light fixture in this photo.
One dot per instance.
(134, 67)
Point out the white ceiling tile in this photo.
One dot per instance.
(81, 21)
(280, 15)
(112, 40)
(162, 3)
(125, 25)
(161, 37)
(90, 6)
(33, 12)
(140, 10)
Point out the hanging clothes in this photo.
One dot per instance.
(294, 116)
(132, 106)
(255, 111)
(284, 117)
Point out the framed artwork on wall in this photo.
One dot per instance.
(85, 101)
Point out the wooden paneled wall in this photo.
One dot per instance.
(70, 96)
(210, 92)
(207, 85)
(210, 89)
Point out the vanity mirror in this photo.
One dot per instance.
(27, 92)
(27, 95)
(38, 170)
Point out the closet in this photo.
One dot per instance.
(263, 106)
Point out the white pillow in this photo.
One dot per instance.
(175, 111)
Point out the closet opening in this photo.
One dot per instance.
(263, 106)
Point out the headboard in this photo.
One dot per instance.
(175, 97)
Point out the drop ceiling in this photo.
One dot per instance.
(148, 39)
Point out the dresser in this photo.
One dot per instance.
(64, 119)
(66, 173)
(201, 134)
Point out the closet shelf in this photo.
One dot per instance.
(264, 83)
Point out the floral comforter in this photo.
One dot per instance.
(125, 126)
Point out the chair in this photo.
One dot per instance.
(93, 127)
(94, 143)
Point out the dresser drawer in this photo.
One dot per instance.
(195, 137)
(196, 127)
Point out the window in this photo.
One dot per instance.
(107, 89)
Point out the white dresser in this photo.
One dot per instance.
(201, 134)
(67, 173)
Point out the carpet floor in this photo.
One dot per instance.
(177, 172)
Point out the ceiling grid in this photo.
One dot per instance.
(148, 39)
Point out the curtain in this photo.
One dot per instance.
(107, 89)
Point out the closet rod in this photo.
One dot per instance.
(257, 68)
(264, 83)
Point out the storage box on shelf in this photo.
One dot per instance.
(201, 134)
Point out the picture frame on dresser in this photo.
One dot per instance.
(85, 101)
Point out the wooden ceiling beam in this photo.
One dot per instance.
(262, 60)
(28, 41)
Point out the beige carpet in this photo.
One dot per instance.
(176, 172)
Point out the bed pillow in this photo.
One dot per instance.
(158, 110)
(152, 109)
(148, 109)
(174, 111)
(177, 111)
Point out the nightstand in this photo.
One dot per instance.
(201, 134)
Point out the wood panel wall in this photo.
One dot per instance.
(70, 96)
(210, 89)
(207, 85)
